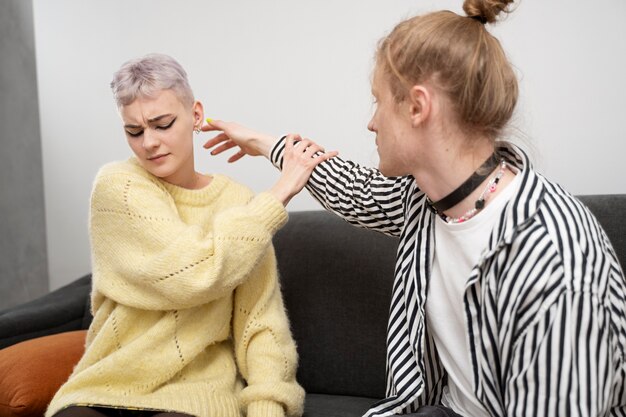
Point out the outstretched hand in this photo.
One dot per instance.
(232, 134)
(301, 156)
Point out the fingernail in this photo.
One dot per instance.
(209, 120)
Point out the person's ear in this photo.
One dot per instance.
(198, 114)
(420, 104)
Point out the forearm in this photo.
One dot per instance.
(264, 143)
(360, 195)
(159, 262)
(266, 353)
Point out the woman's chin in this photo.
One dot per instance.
(158, 171)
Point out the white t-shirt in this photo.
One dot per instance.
(457, 250)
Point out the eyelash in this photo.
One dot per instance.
(168, 125)
(134, 135)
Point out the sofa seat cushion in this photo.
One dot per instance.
(31, 372)
(326, 405)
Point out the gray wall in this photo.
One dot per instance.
(23, 259)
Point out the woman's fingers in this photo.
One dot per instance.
(305, 148)
(237, 156)
(222, 137)
(292, 140)
(327, 155)
(227, 145)
(312, 150)
(251, 142)
(301, 156)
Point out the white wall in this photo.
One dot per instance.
(294, 66)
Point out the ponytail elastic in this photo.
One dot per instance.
(481, 19)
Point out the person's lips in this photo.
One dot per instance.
(158, 157)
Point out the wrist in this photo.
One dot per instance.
(269, 211)
(281, 193)
(265, 408)
(264, 143)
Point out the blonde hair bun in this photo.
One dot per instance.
(486, 11)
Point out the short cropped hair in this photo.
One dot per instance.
(147, 76)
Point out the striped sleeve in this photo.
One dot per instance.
(360, 195)
(564, 363)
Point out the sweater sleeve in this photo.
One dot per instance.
(360, 195)
(146, 257)
(265, 350)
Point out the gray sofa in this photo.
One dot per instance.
(336, 280)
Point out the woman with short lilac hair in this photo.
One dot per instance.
(188, 315)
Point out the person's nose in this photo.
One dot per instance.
(370, 125)
(150, 139)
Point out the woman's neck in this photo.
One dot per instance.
(188, 178)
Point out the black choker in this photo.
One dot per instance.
(465, 189)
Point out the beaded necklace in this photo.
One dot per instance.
(480, 203)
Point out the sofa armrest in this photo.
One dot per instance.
(64, 309)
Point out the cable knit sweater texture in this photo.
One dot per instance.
(188, 314)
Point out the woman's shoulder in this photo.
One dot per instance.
(116, 181)
(233, 183)
(234, 188)
(129, 167)
(123, 174)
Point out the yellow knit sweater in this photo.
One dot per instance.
(188, 314)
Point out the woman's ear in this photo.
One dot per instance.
(420, 104)
(198, 114)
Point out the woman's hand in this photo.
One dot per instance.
(249, 141)
(300, 158)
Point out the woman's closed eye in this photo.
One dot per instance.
(138, 132)
(134, 133)
(166, 126)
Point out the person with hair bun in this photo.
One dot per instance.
(188, 318)
(508, 299)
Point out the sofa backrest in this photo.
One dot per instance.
(610, 210)
(336, 281)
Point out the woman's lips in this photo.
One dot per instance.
(158, 158)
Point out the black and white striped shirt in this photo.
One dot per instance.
(545, 304)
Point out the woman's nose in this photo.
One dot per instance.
(150, 139)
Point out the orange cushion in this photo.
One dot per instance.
(31, 372)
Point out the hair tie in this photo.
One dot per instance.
(480, 18)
